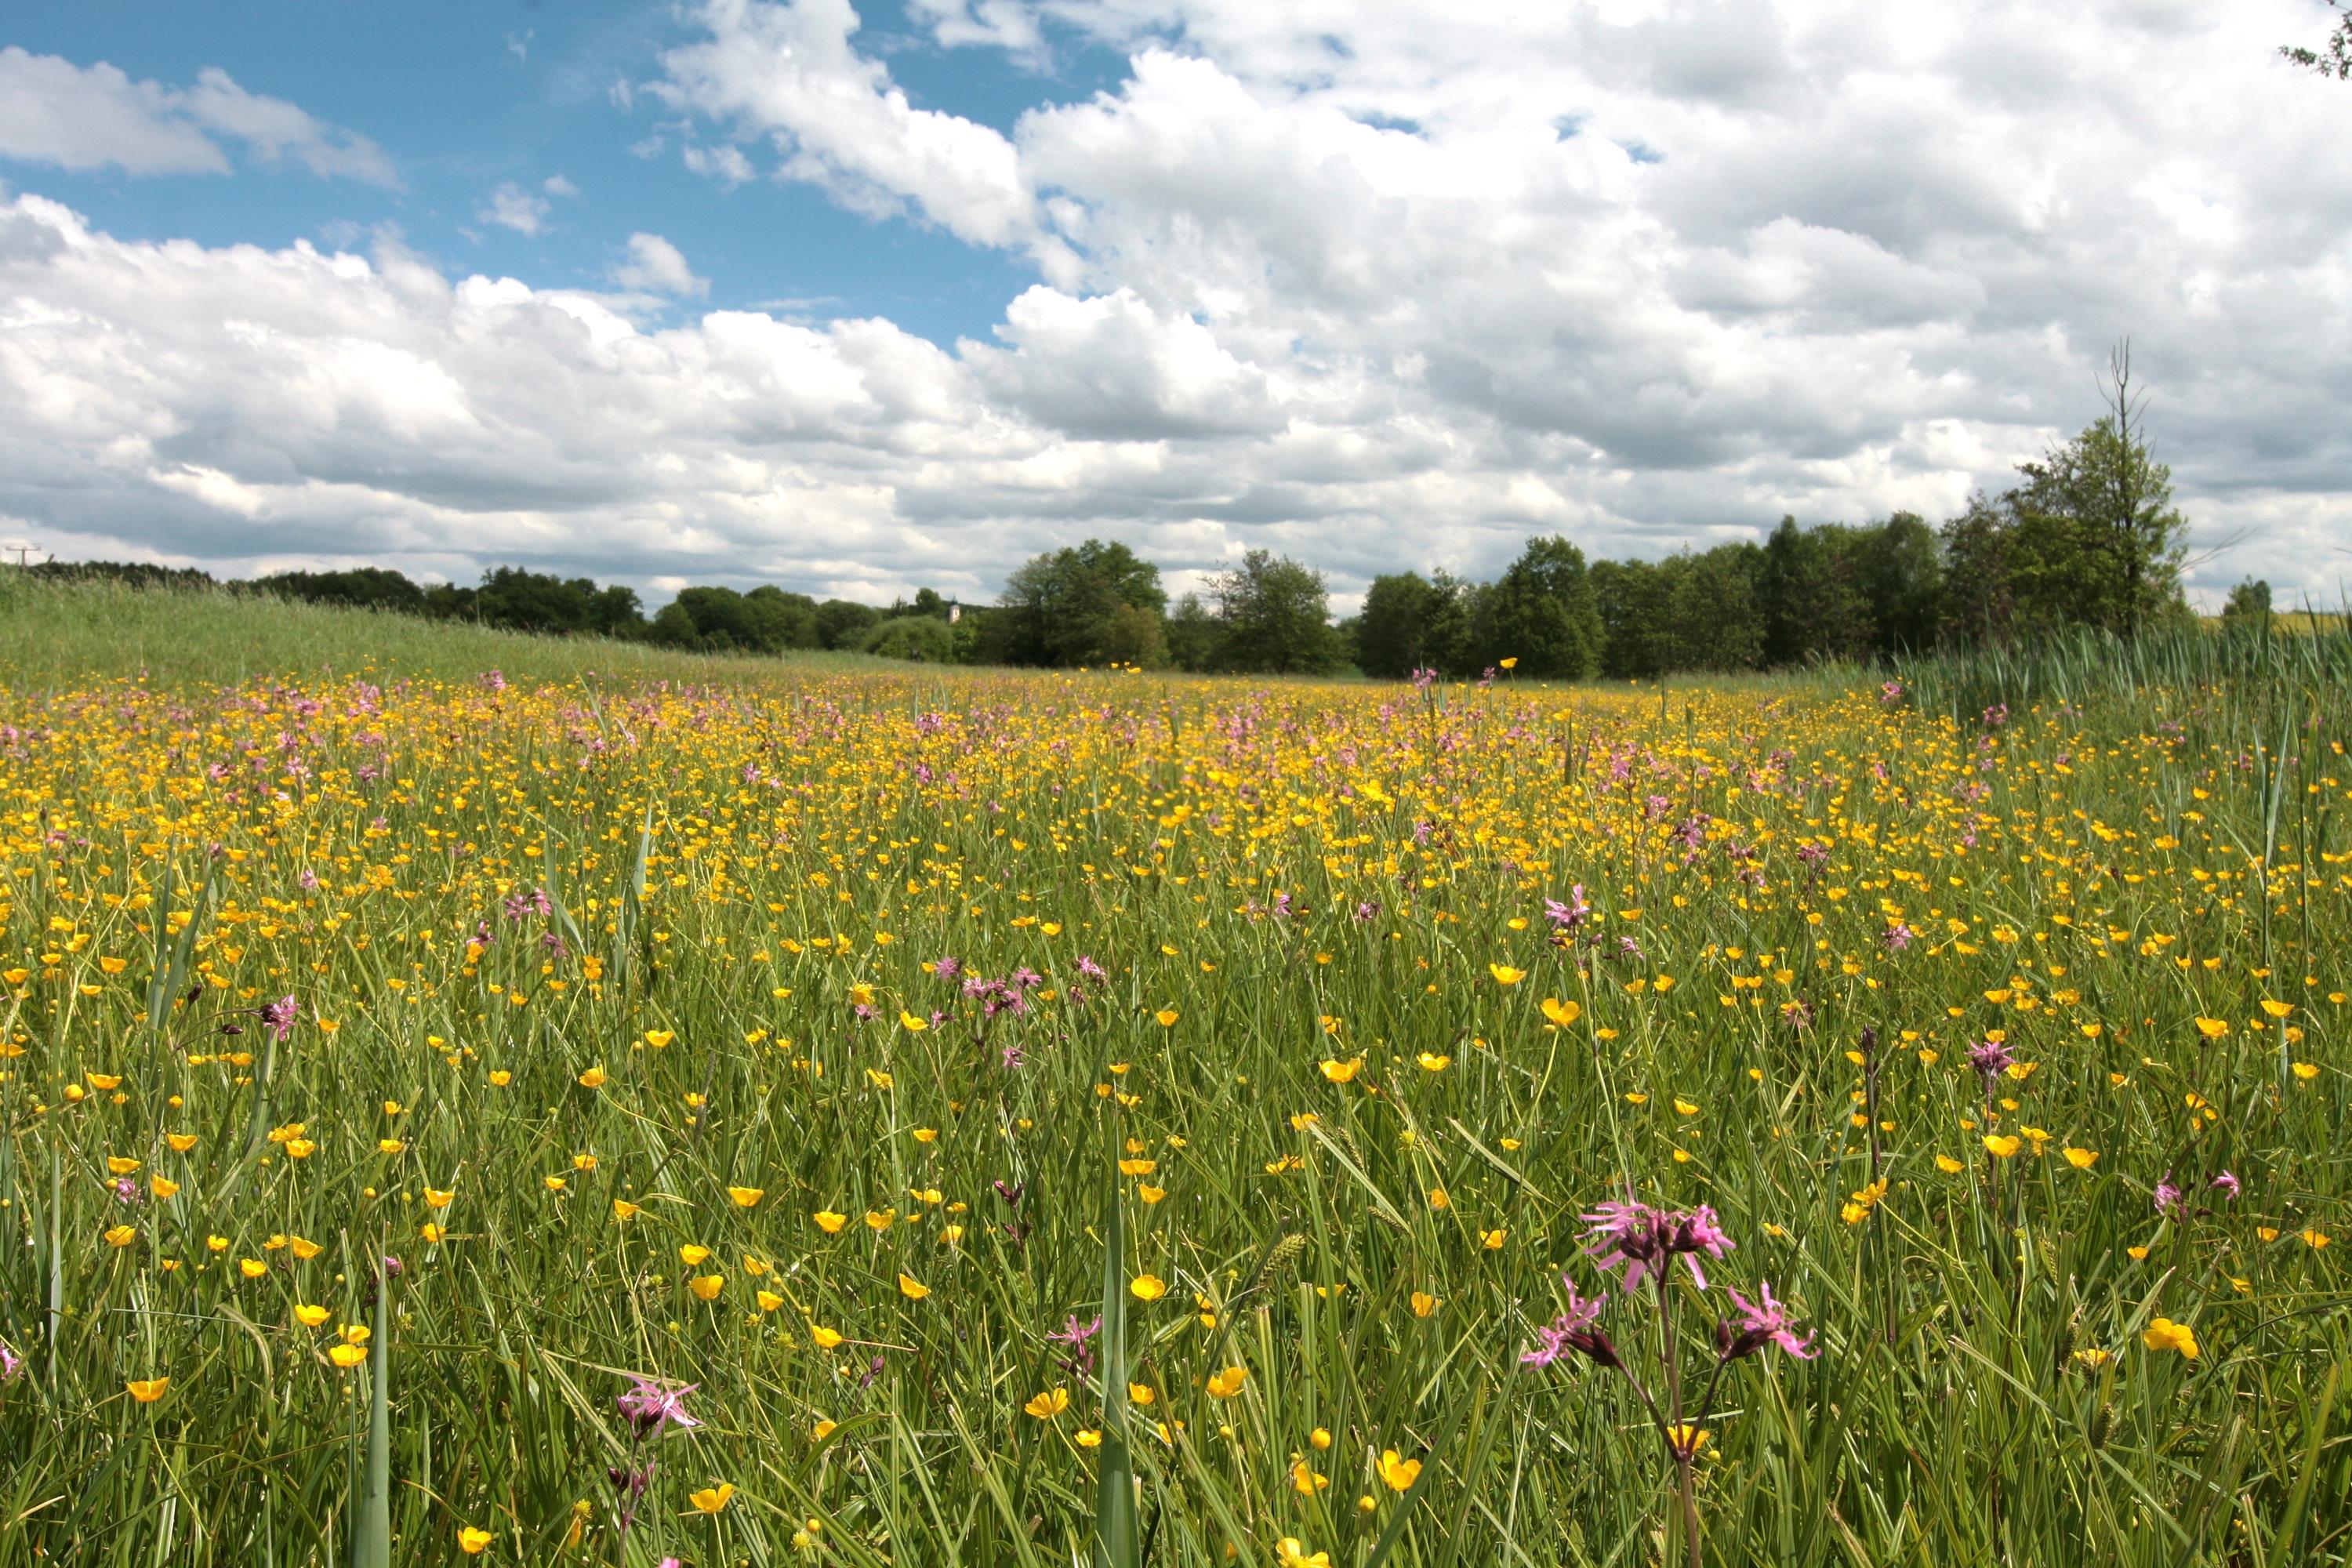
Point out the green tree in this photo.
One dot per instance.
(1409, 621)
(2249, 607)
(1542, 612)
(449, 602)
(775, 620)
(1903, 579)
(841, 622)
(616, 611)
(1196, 640)
(361, 587)
(1714, 606)
(1276, 618)
(2087, 536)
(1811, 599)
(1632, 599)
(2333, 57)
(1087, 604)
(1980, 602)
(924, 639)
(2102, 531)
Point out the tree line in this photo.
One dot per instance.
(2087, 536)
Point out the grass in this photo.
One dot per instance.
(55, 634)
(621, 1025)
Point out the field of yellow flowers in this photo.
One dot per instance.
(876, 1118)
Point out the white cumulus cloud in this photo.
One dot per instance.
(657, 267)
(791, 72)
(72, 117)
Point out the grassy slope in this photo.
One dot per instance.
(64, 634)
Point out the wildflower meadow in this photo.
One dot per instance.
(931, 1117)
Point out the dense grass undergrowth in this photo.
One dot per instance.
(1019, 1118)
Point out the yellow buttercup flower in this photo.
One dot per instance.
(1505, 975)
(473, 1542)
(711, 1499)
(2164, 1334)
(912, 1289)
(745, 1197)
(1398, 1473)
(1048, 1405)
(1562, 1014)
(147, 1390)
(1147, 1286)
(1228, 1383)
(2001, 1145)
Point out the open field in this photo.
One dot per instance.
(839, 1044)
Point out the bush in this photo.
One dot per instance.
(923, 639)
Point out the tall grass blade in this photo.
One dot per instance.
(372, 1525)
(1117, 1542)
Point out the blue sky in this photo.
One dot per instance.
(855, 297)
(466, 97)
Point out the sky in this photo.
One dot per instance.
(855, 297)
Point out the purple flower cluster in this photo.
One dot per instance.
(523, 906)
(1565, 918)
(279, 1017)
(1573, 1330)
(1007, 995)
(654, 1405)
(1763, 1321)
(1644, 1241)
(1080, 1361)
(1990, 1057)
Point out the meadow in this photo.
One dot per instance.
(474, 1101)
